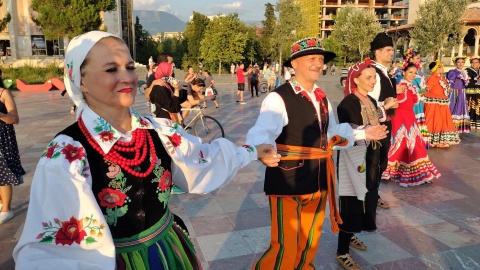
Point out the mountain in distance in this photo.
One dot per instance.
(156, 22)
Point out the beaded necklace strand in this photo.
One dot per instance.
(137, 145)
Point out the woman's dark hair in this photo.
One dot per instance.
(198, 82)
(409, 65)
(189, 67)
(208, 72)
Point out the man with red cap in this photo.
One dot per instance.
(298, 118)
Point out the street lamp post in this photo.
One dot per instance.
(396, 41)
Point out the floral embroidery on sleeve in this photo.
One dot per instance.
(175, 139)
(70, 231)
(249, 148)
(71, 152)
(202, 159)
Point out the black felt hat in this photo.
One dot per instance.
(381, 40)
(308, 46)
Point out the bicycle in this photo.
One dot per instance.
(205, 127)
(263, 87)
(142, 86)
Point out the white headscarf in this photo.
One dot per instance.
(77, 50)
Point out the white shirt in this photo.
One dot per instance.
(62, 190)
(273, 117)
(377, 89)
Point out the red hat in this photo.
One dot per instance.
(354, 72)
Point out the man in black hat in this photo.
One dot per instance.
(298, 118)
(382, 51)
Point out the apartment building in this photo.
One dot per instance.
(22, 38)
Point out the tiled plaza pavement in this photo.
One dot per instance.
(428, 227)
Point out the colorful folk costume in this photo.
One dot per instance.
(458, 79)
(99, 197)
(408, 162)
(419, 83)
(438, 117)
(472, 92)
(301, 123)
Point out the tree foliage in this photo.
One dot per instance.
(176, 46)
(266, 42)
(6, 20)
(287, 27)
(224, 40)
(194, 34)
(69, 18)
(144, 43)
(355, 28)
(433, 34)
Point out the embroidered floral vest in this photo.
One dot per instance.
(130, 204)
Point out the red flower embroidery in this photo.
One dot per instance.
(71, 231)
(319, 94)
(114, 170)
(201, 154)
(297, 88)
(368, 62)
(111, 198)
(312, 43)
(175, 139)
(144, 122)
(106, 136)
(295, 48)
(73, 153)
(51, 150)
(165, 181)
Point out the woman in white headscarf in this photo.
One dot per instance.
(99, 196)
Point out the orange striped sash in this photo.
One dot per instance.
(293, 152)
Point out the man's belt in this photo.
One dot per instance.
(294, 152)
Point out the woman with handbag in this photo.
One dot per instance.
(358, 179)
(210, 83)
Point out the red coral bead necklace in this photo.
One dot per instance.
(137, 144)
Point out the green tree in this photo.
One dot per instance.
(6, 20)
(194, 33)
(287, 27)
(69, 18)
(432, 35)
(146, 45)
(224, 41)
(252, 47)
(268, 26)
(355, 28)
(333, 45)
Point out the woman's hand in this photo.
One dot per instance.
(401, 88)
(376, 132)
(390, 103)
(268, 155)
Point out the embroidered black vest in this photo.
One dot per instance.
(299, 177)
(144, 204)
(388, 88)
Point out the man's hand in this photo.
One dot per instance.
(268, 155)
(376, 132)
(390, 103)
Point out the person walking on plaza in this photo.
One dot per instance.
(408, 162)
(413, 56)
(357, 178)
(254, 81)
(100, 193)
(241, 84)
(232, 69)
(11, 170)
(298, 118)
(333, 69)
(437, 113)
(458, 79)
(472, 92)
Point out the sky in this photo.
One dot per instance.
(248, 10)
